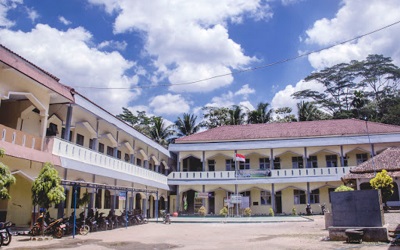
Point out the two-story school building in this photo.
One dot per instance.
(286, 165)
(42, 120)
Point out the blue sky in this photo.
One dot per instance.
(119, 52)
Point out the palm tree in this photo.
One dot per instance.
(159, 132)
(260, 115)
(236, 116)
(186, 125)
(307, 111)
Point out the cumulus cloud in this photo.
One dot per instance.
(284, 99)
(32, 14)
(355, 18)
(118, 45)
(64, 21)
(188, 40)
(67, 55)
(245, 91)
(5, 6)
(169, 104)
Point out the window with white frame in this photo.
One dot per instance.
(314, 196)
(244, 165)
(265, 198)
(230, 165)
(299, 196)
(312, 162)
(211, 165)
(277, 163)
(264, 163)
(331, 161)
(297, 162)
(361, 158)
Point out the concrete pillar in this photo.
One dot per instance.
(273, 203)
(60, 211)
(308, 193)
(177, 201)
(204, 161)
(341, 156)
(305, 160)
(271, 159)
(68, 123)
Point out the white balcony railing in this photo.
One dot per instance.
(260, 174)
(68, 150)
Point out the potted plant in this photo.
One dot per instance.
(271, 212)
(223, 211)
(202, 211)
(247, 212)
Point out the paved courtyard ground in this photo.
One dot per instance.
(301, 234)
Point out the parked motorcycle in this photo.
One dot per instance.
(55, 228)
(5, 232)
(323, 208)
(308, 209)
(166, 217)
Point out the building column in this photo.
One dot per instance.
(43, 123)
(92, 202)
(204, 161)
(341, 156)
(271, 159)
(273, 203)
(178, 163)
(308, 193)
(156, 206)
(177, 201)
(68, 123)
(305, 159)
(157, 168)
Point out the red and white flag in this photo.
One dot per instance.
(240, 157)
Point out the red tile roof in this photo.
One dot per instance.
(388, 160)
(32, 71)
(289, 130)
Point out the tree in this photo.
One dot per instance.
(46, 188)
(384, 182)
(186, 125)
(6, 179)
(159, 132)
(307, 111)
(235, 116)
(215, 117)
(141, 122)
(284, 115)
(261, 115)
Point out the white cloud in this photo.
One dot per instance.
(284, 99)
(64, 21)
(5, 6)
(118, 45)
(51, 49)
(225, 100)
(289, 2)
(245, 91)
(355, 18)
(32, 14)
(188, 40)
(169, 104)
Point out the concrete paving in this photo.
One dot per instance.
(261, 219)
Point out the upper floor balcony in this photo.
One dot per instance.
(252, 176)
(19, 138)
(80, 158)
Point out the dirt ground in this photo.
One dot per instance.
(157, 236)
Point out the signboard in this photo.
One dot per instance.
(201, 195)
(122, 196)
(236, 199)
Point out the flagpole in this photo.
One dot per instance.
(236, 185)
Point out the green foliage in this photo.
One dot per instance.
(247, 211)
(202, 211)
(223, 211)
(84, 200)
(357, 89)
(159, 132)
(261, 115)
(6, 179)
(46, 188)
(186, 125)
(343, 188)
(284, 115)
(271, 212)
(384, 182)
(294, 211)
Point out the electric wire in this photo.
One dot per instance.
(245, 70)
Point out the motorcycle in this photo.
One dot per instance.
(166, 217)
(55, 228)
(308, 209)
(5, 232)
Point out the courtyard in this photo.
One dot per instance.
(303, 233)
